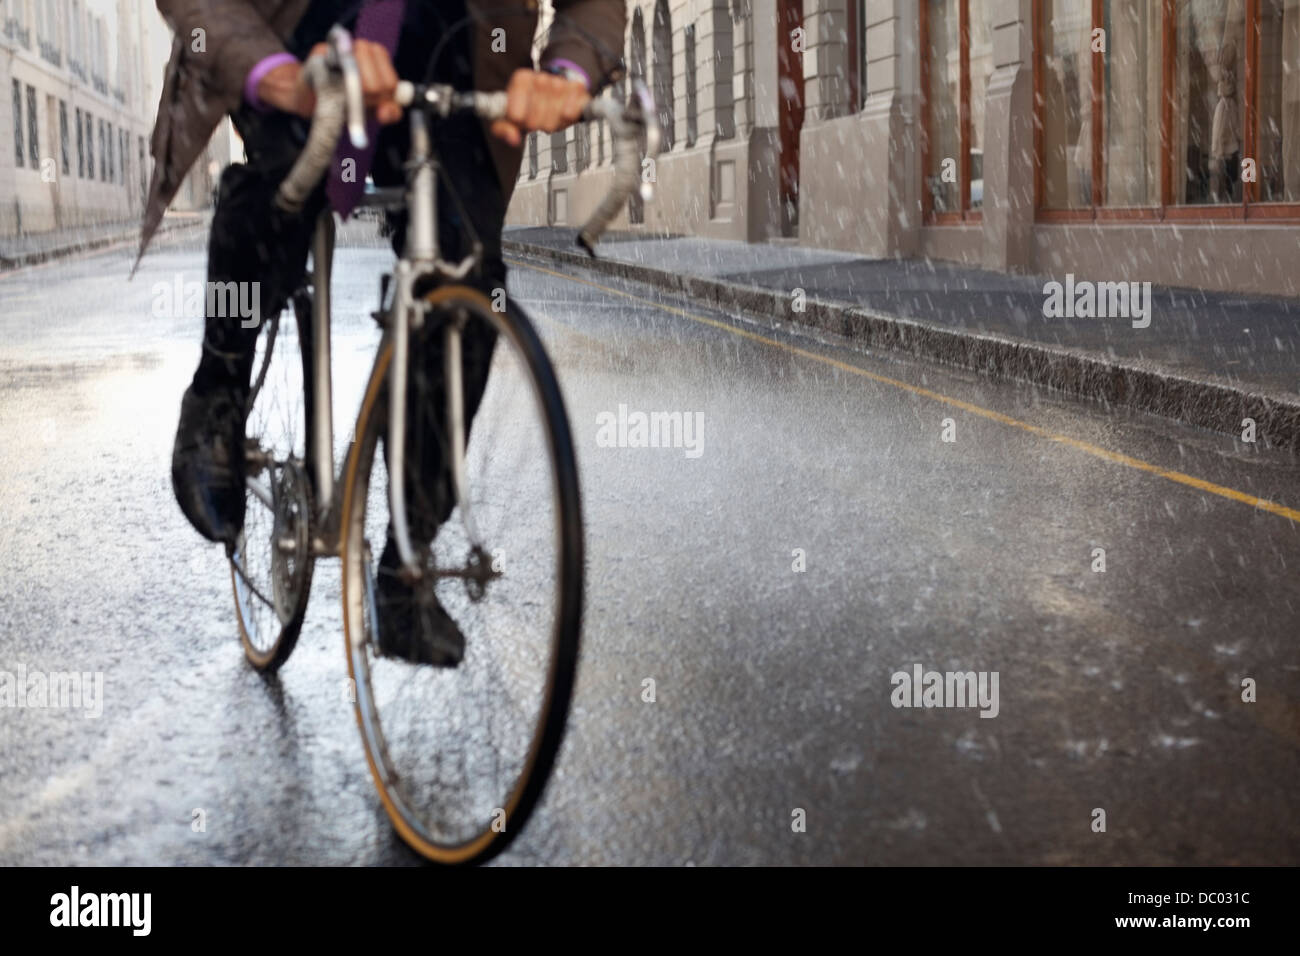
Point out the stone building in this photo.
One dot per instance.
(80, 82)
(1119, 139)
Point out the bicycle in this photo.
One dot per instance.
(507, 562)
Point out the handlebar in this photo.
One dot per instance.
(336, 81)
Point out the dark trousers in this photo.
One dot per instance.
(253, 241)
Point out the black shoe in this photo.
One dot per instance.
(208, 462)
(412, 624)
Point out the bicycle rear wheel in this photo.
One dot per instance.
(271, 565)
(460, 756)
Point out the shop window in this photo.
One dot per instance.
(1167, 108)
(1131, 76)
(957, 63)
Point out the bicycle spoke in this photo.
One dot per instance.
(273, 565)
(256, 592)
(454, 744)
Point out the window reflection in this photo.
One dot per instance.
(1067, 104)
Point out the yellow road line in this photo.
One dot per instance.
(1087, 447)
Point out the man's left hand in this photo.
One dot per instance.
(538, 101)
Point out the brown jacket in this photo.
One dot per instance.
(217, 43)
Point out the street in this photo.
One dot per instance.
(844, 517)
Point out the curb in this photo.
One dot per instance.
(1147, 387)
(23, 260)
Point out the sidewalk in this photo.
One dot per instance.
(26, 250)
(1208, 358)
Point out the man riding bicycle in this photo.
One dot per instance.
(244, 58)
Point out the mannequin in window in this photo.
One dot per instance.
(1225, 130)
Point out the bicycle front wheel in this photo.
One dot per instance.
(461, 755)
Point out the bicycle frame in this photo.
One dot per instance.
(334, 77)
(405, 313)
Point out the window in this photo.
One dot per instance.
(1209, 103)
(19, 156)
(90, 147)
(943, 96)
(721, 81)
(144, 184)
(692, 118)
(81, 148)
(1278, 104)
(1130, 75)
(16, 25)
(48, 41)
(112, 166)
(957, 63)
(33, 141)
(1067, 103)
(636, 62)
(582, 145)
(662, 57)
(103, 153)
(856, 52)
(1176, 109)
(122, 139)
(532, 155)
(45, 14)
(64, 149)
(559, 154)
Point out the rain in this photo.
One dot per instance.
(952, 349)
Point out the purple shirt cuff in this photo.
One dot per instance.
(569, 65)
(256, 74)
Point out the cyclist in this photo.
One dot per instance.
(244, 58)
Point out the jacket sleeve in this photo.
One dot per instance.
(235, 37)
(590, 34)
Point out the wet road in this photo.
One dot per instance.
(772, 737)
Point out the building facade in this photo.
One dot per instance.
(1142, 139)
(80, 82)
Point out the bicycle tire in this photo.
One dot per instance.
(553, 714)
(268, 656)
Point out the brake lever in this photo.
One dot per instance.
(340, 42)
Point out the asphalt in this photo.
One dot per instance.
(1207, 358)
(1119, 690)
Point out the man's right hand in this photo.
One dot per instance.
(285, 87)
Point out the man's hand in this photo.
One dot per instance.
(539, 101)
(285, 87)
